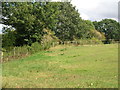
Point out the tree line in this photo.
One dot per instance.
(30, 22)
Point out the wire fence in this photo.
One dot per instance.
(21, 52)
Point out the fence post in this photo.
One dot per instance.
(1, 56)
(14, 52)
(67, 42)
(27, 51)
(53, 44)
(76, 42)
(57, 43)
(18, 52)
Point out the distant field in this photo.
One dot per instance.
(65, 67)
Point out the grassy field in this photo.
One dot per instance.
(65, 67)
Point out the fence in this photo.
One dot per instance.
(21, 52)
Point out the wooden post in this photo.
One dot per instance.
(14, 52)
(27, 51)
(18, 52)
(75, 42)
(53, 44)
(1, 57)
(57, 43)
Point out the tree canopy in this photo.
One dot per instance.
(109, 27)
(30, 19)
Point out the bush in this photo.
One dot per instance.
(21, 51)
(15, 53)
(88, 41)
(35, 47)
(8, 39)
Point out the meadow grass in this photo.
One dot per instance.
(65, 67)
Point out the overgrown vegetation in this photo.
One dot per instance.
(30, 23)
(23, 51)
(48, 33)
(110, 28)
(28, 20)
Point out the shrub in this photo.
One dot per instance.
(35, 47)
(88, 41)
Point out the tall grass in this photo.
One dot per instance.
(21, 52)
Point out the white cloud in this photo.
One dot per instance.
(85, 4)
(84, 16)
(97, 9)
(0, 28)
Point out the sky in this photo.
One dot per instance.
(95, 10)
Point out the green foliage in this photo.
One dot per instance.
(92, 41)
(87, 30)
(26, 18)
(8, 39)
(30, 20)
(40, 25)
(15, 53)
(22, 51)
(68, 22)
(98, 35)
(48, 38)
(35, 47)
(110, 28)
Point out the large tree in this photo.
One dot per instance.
(109, 27)
(8, 38)
(30, 18)
(21, 17)
(68, 21)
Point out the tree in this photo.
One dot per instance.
(68, 21)
(109, 27)
(8, 39)
(87, 31)
(29, 19)
(26, 18)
